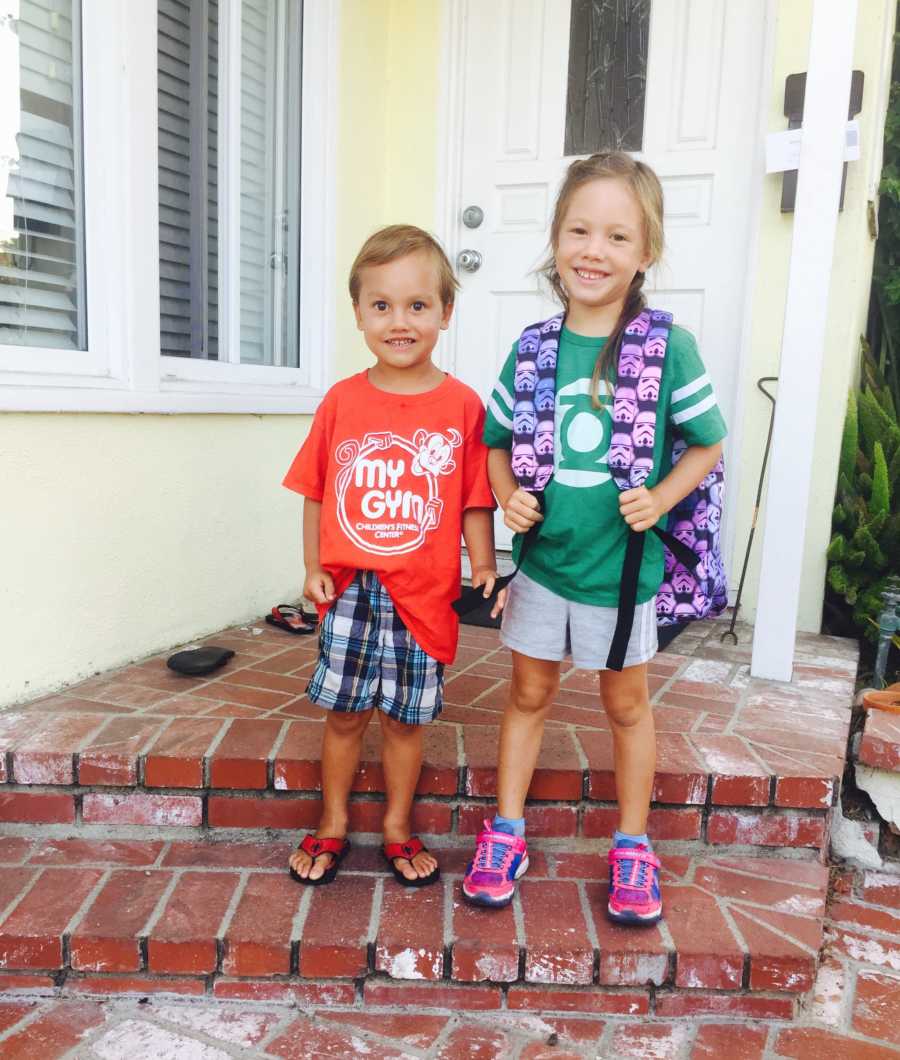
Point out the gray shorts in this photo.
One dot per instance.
(542, 625)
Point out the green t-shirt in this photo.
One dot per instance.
(581, 545)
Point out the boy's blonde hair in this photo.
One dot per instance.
(397, 241)
(647, 189)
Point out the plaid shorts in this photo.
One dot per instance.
(368, 658)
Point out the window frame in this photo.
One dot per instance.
(123, 369)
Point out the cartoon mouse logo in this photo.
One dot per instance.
(434, 454)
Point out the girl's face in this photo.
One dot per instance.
(601, 246)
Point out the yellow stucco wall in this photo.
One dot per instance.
(847, 306)
(123, 535)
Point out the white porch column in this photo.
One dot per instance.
(803, 338)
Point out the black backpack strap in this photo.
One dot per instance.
(474, 597)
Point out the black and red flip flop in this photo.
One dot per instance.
(292, 620)
(312, 845)
(394, 852)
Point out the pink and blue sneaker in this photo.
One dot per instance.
(634, 896)
(500, 859)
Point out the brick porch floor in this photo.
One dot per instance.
(147, 819)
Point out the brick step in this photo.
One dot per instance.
(740, 761)
(741, 934)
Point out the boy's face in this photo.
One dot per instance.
(400, 312)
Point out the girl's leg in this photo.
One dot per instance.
(534, 685)
(341, 745)
(626, 699)
(401, 756)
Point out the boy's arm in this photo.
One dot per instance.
(318, 585)
(520, 508)
(643, 508)
(478, 533)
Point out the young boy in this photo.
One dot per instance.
(392, 471)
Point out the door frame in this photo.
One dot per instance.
(448, 190)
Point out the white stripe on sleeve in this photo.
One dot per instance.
(690, 388)
(695, 410)
(498, 414)
(501, 390)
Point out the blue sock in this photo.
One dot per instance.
(621, 839)
(510, 825)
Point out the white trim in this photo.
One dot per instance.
(803, 342)
(498, 414)
(694, 411)
(123, 370)
(691, 388)
(501, 390)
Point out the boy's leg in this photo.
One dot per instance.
(341, 745)
(534, 685)
(626, 700)
(401, 756)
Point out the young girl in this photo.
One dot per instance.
(606, 232)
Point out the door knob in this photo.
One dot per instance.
(472, 216)
(469, 260)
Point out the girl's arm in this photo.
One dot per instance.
(643, 508)
(318, 585)
(520, 508)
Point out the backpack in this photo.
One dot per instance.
(694, 583)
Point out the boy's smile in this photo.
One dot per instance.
(401, 315)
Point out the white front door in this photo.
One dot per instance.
(703, 67)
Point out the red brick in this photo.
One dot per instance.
(767, 830)
(295, 1043)
(141, 809)
(211, 854)
(176, 758)
(883, 920)
(879, 951)
(541, 821)
(709, 956)
(104, 985)
(183, 940)
(476, 1041)
(557, 949)
(777, 963)
(252, 697)
(811, 1043)
(584, 999)
(881, 889)
(11, 1014)
(241, 759)
(258, 939)
(875, 1006)
(804, 792)
(675, 1003)
(75, 851)
(734, 1040)
(485, 946)
(34, 808)
(334, 941)
(106, 939)
(54, 1032)
(31, 936)
(649, 1039)
(409, 939)
(558, 776)
(298, 762)
(415, 1029)
(285, 662)
(11, 983)
(627, 957)
(880, 745)
(746, 880)
(14, 848)
(282, 991)
(433, 818)
(256, 677)
(111, 756)
(601, 821)
(740, 790)
(13, 881)
(233, 811)
(46, 756)
(431, 995)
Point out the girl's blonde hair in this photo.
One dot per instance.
(647, 189)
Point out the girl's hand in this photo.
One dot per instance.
(641, 508)
(487, 577)
(521, 511)
(318, 587)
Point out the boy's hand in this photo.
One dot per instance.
(318, 587)
(641, 508)
(521, 511)
(487, 577)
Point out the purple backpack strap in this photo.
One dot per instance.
(534, 403)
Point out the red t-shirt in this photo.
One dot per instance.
(394, 473)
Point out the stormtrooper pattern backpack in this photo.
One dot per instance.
(694, 584)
